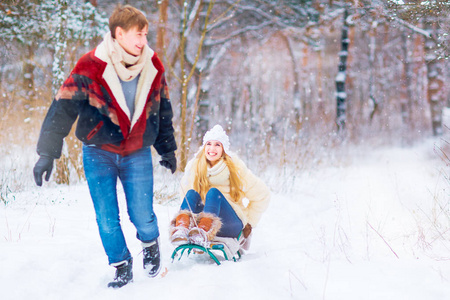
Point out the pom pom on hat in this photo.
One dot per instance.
(217, 134)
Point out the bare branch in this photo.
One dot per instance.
(237, 33)
(383, 239)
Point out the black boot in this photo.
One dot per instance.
(152, 259)
(124, 274)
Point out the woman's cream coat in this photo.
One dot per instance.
(255, 191)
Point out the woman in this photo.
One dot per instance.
(221, 196)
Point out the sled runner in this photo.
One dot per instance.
(229, 248)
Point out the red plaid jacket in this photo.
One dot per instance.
(93, 94)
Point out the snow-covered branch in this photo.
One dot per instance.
(237, 33)
(410, 26)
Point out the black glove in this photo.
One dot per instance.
(169, 161)
(44, 164)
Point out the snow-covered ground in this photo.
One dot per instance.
(376, 227)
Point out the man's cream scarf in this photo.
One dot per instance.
(126, 65)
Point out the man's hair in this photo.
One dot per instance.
(126, 17)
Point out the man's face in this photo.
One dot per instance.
(133, 40)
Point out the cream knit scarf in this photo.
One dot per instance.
(126, 65)
(217, 168)
(219, 174)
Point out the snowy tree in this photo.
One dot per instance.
(266, 70)
(75, 26)
(396, 26)
(57, 29)
(25, 23)
(63, 25)
(433, 17)
(201, 46)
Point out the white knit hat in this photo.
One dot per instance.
(217, 134)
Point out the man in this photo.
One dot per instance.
(119, 94)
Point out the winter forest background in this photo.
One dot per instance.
(289, 80)
(311, 94)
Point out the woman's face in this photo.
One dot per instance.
(213, 151)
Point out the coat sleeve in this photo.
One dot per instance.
(165, 142)
(257, 193)
(59, 119)
(187, 181)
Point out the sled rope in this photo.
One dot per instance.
(192, 247)
(189, 206)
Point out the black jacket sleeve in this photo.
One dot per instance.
(56, 126)
(165, 142)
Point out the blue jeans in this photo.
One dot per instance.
(215, 203)
(135, 171)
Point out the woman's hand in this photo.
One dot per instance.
(247, 230)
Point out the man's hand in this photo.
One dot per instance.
(169, 161)
(43, 165)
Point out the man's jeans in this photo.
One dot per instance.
(135, 171)
(215, 203)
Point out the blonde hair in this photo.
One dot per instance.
(201, 182)
(126, 17)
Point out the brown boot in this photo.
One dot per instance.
(207, 227)
(183, 219)
(179, 228)
(205, 224)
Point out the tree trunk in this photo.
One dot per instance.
(341, 77)
(406, 93)
(161, 31)
(187, 71)
(28, 73)
(435, 89)
(320, 84)
(204, 103)
(372, 47)
(62, 165)
(203, 108)
(296, 76)
(305, 79)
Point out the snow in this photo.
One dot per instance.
(374, 227)
(340, 77)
